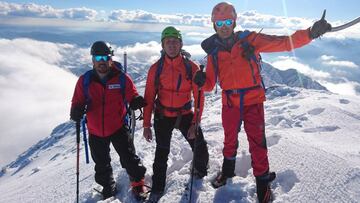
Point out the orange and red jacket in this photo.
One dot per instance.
(106, 111)
(234, 71)
(168, 94)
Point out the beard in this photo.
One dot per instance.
(102, 68)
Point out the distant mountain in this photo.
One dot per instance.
(291, 77)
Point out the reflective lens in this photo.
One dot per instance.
(227, 22)
(99, 58)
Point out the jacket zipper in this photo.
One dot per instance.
(103, 111)
(172, 75)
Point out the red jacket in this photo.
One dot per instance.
(168, 94)
(106, 111)
(234, 71)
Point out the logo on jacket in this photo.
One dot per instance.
(114, 86)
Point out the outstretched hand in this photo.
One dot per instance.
(320, 27)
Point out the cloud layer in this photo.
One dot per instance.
(332, 80)
(35, 93)
(331, 61)
(117, 19)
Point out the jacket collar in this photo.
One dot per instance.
(174, 61)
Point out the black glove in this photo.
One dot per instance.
(320, 27)
(137, 102)
(200, 78)
(77, 113)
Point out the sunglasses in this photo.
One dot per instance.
(227, 22)
(99, 58)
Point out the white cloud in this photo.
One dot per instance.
(348, 88)
(330, 61)
(147, 17)
(253, 19)
(286, 62)
(326, 57)
(140, 52)
(45, 11)
(35, 93)
(348, 64)
(148, 53)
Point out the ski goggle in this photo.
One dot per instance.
(99, 58)
(227, 22)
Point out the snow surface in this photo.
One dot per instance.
(313, 138)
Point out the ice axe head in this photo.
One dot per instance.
(323, 15)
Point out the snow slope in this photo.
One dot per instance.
(313, 138)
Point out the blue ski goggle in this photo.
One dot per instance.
(98, 58)
(227, 22)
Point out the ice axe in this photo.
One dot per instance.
(341, 27)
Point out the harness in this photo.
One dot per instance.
(249, 54)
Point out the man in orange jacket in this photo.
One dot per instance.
(103, 94)
(168, 92)
(233, 59)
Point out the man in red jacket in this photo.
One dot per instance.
(102, 93)
(233, 59)
(169, 89)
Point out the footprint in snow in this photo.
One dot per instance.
(295, 106)
(321, 129)
(316, 111)
(344, 101)
(285, 180)
(272, 140)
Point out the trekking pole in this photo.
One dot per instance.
(196, 134)
(85, 140)
(77, 158)
(130, 113)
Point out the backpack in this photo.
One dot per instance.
(249, 51)
(186, 59)
(122, 80)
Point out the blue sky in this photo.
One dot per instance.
(337, 10)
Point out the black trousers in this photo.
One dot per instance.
(163, 131)
(124, 146)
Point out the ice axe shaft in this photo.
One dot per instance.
(197, 114)
(346, 25)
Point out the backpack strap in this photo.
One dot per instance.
(86, 83)
(122, 81)
(158, 71)
(249, 54)
(160, 66)
(215, 60)
(188, 67)
(242, 35)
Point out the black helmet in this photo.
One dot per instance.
(101, 48)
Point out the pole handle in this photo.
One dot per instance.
(202, 68)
